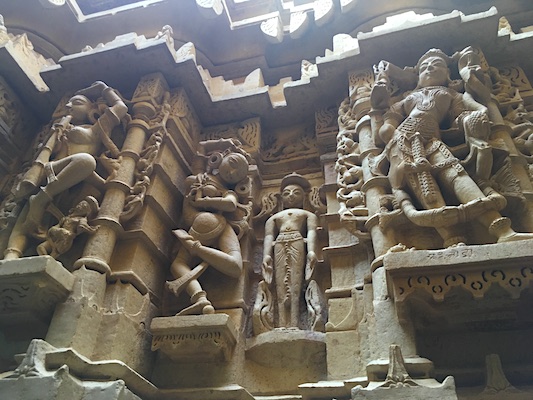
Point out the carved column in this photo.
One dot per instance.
(105, 302)
(100, 246)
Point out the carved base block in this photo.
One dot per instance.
(194, 338)
(30, 288)
(287, 347)
(417, 367)
(422, 389)
(472, 268)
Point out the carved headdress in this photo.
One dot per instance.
(295, 179)
(434, 53)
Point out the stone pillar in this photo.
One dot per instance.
(110, 299)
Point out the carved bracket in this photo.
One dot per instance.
(31, 287)
(473, 268)
(194, 338)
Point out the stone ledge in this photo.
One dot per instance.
(287, 347)
(473, 268)
(31, 287)
(194, 338)
(425, 389)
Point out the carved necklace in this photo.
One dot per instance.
(424, 98)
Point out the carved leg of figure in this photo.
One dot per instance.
(44, 249)
(289, 254)
(200, 304)
(177, 285)
(61, 175)
(451, 235)
(17, 240)
(466, 190)
(180, 269)
(227, 260)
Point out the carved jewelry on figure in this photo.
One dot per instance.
(215, 216)
(66, 158)
(437, 178)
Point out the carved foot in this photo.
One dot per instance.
(200, 305)
(515, 236)
(501, 228)
(37, 204)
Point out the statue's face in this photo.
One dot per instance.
(433, 71)
(79, 108)
(292, 196)
(233, 168)
(81, 209)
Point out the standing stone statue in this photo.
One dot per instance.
(289, 260)
(67, 158)
(213, 213)
(422, 166)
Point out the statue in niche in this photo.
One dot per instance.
(68, 157)
(216, 217)
(289, 261)
(421, 165)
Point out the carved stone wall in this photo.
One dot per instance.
(360, 228)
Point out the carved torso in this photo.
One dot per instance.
(425, 109)
(291, 220)
(79, 139)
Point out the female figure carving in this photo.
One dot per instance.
(211, 212)
(67, 158)
(422, 165)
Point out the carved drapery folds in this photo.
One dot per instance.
(289, 260)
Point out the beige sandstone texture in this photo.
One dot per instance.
(266, 199)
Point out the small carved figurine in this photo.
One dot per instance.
(60, 237)
(212, 212)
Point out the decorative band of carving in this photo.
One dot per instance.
(473, 279)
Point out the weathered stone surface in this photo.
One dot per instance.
(429, 389)
(287, 347)
(31, 287)
(438, 271)
(194, 338)
(425, 164)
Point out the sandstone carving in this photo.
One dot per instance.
(66, 158)
(289, 260)
(215, 218)
(438, 148)
(60, 237)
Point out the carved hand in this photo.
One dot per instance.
(267, 269)
(380, 96)
(386, 132)
(474, 84)
(94, 91)
(187, 240)
(310, 265)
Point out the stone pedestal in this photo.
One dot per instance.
(424, 389)
(194, 338)
(30, 288)
(286, 347)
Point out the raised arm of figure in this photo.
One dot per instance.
(228, 203)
